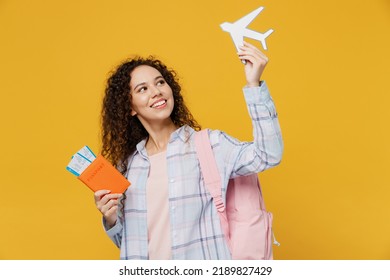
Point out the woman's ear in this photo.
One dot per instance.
(133, 113)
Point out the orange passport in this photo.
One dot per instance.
(102, 175)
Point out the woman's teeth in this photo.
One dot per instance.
(162, 102)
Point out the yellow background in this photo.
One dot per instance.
(328, 74)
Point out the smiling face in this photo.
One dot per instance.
(151, 96)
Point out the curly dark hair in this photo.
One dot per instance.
(121, 132)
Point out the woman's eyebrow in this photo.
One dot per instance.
(140, 84)
(144, 83)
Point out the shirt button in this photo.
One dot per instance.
(172, 180)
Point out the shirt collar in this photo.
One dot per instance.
(183, 133)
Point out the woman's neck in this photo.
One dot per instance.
(158, 139)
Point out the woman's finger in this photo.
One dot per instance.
(106, 201)
(103, 199)
(248, 47)
(111, 211)
(106, 207)
(252, 47)
(109, 197)
(253, 53)
(255, 60)
(99, 194)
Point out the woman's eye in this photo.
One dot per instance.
(161, 82)
(142, 89)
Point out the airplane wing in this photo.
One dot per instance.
(244, 21)
(238, 39)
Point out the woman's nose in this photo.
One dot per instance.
(155, 91)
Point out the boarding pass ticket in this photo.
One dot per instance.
(81, 160)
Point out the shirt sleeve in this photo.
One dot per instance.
(114, 233)
(265, 151)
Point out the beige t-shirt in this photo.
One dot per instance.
(159, 237)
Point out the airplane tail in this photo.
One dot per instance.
(261, 37)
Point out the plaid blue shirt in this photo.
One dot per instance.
(195, 227)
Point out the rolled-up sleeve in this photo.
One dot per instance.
(266, 150)
(114, 233)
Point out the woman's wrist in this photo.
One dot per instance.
(253, 84)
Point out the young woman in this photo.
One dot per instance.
(148, 133)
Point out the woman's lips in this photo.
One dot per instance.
(159, 104)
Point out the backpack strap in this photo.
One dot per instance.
(209, 168)
(262, 203)
(212, 179)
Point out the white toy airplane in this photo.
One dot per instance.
(238, 30)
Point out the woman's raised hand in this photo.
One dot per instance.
(107, 204)
(255, 63)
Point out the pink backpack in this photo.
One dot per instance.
(246, 224)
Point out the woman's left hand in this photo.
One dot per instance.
(255, 63)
